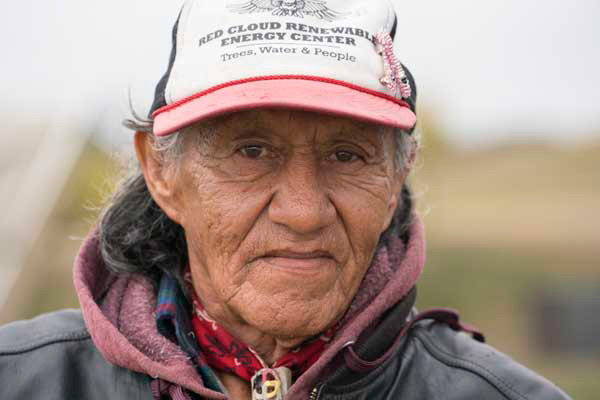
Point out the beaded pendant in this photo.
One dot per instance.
(271, 384)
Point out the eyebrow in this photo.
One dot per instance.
(369, 133)
(351, 129)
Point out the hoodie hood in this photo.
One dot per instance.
(120, 311)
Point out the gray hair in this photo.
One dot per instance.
(136, 236)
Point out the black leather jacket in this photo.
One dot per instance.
(52, 357)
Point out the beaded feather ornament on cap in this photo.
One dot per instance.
(394, 75)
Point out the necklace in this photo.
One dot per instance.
(271, 384)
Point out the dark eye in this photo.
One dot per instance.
(344, 156)
(253, 151)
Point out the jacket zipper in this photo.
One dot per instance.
(316, 392)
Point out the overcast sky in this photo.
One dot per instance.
(488, 69)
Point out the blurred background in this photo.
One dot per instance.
(508, 181)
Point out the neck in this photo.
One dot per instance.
(268, 347)
(236, 387)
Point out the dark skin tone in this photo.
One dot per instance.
(282, 211)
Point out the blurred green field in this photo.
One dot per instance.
(502, 224)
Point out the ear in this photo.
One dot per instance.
(395, 198)
(159, 176)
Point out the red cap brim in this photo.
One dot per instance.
(305, 94)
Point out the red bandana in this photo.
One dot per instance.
(225, 353)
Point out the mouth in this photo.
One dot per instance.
(298, 261)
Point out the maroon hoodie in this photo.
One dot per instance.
(119, 312)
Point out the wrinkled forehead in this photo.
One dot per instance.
(290, 121)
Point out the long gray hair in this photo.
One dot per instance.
(136, 236)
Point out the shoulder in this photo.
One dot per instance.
(46, 330)
(473, 367)
(53, 357)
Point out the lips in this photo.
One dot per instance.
(299, 255)
(298, 261)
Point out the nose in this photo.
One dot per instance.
(301, 202)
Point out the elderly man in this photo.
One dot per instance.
(267, 247)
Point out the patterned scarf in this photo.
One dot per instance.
(173, 320)
(226, 353)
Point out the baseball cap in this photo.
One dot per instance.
(328, 56)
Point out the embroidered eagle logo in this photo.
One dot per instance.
(294, 8)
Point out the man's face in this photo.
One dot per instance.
(282, 212)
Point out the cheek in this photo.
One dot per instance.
(363, 204)
(217, 215)
(362, 201)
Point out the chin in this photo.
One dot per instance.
(297, 330)
(293, 322)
